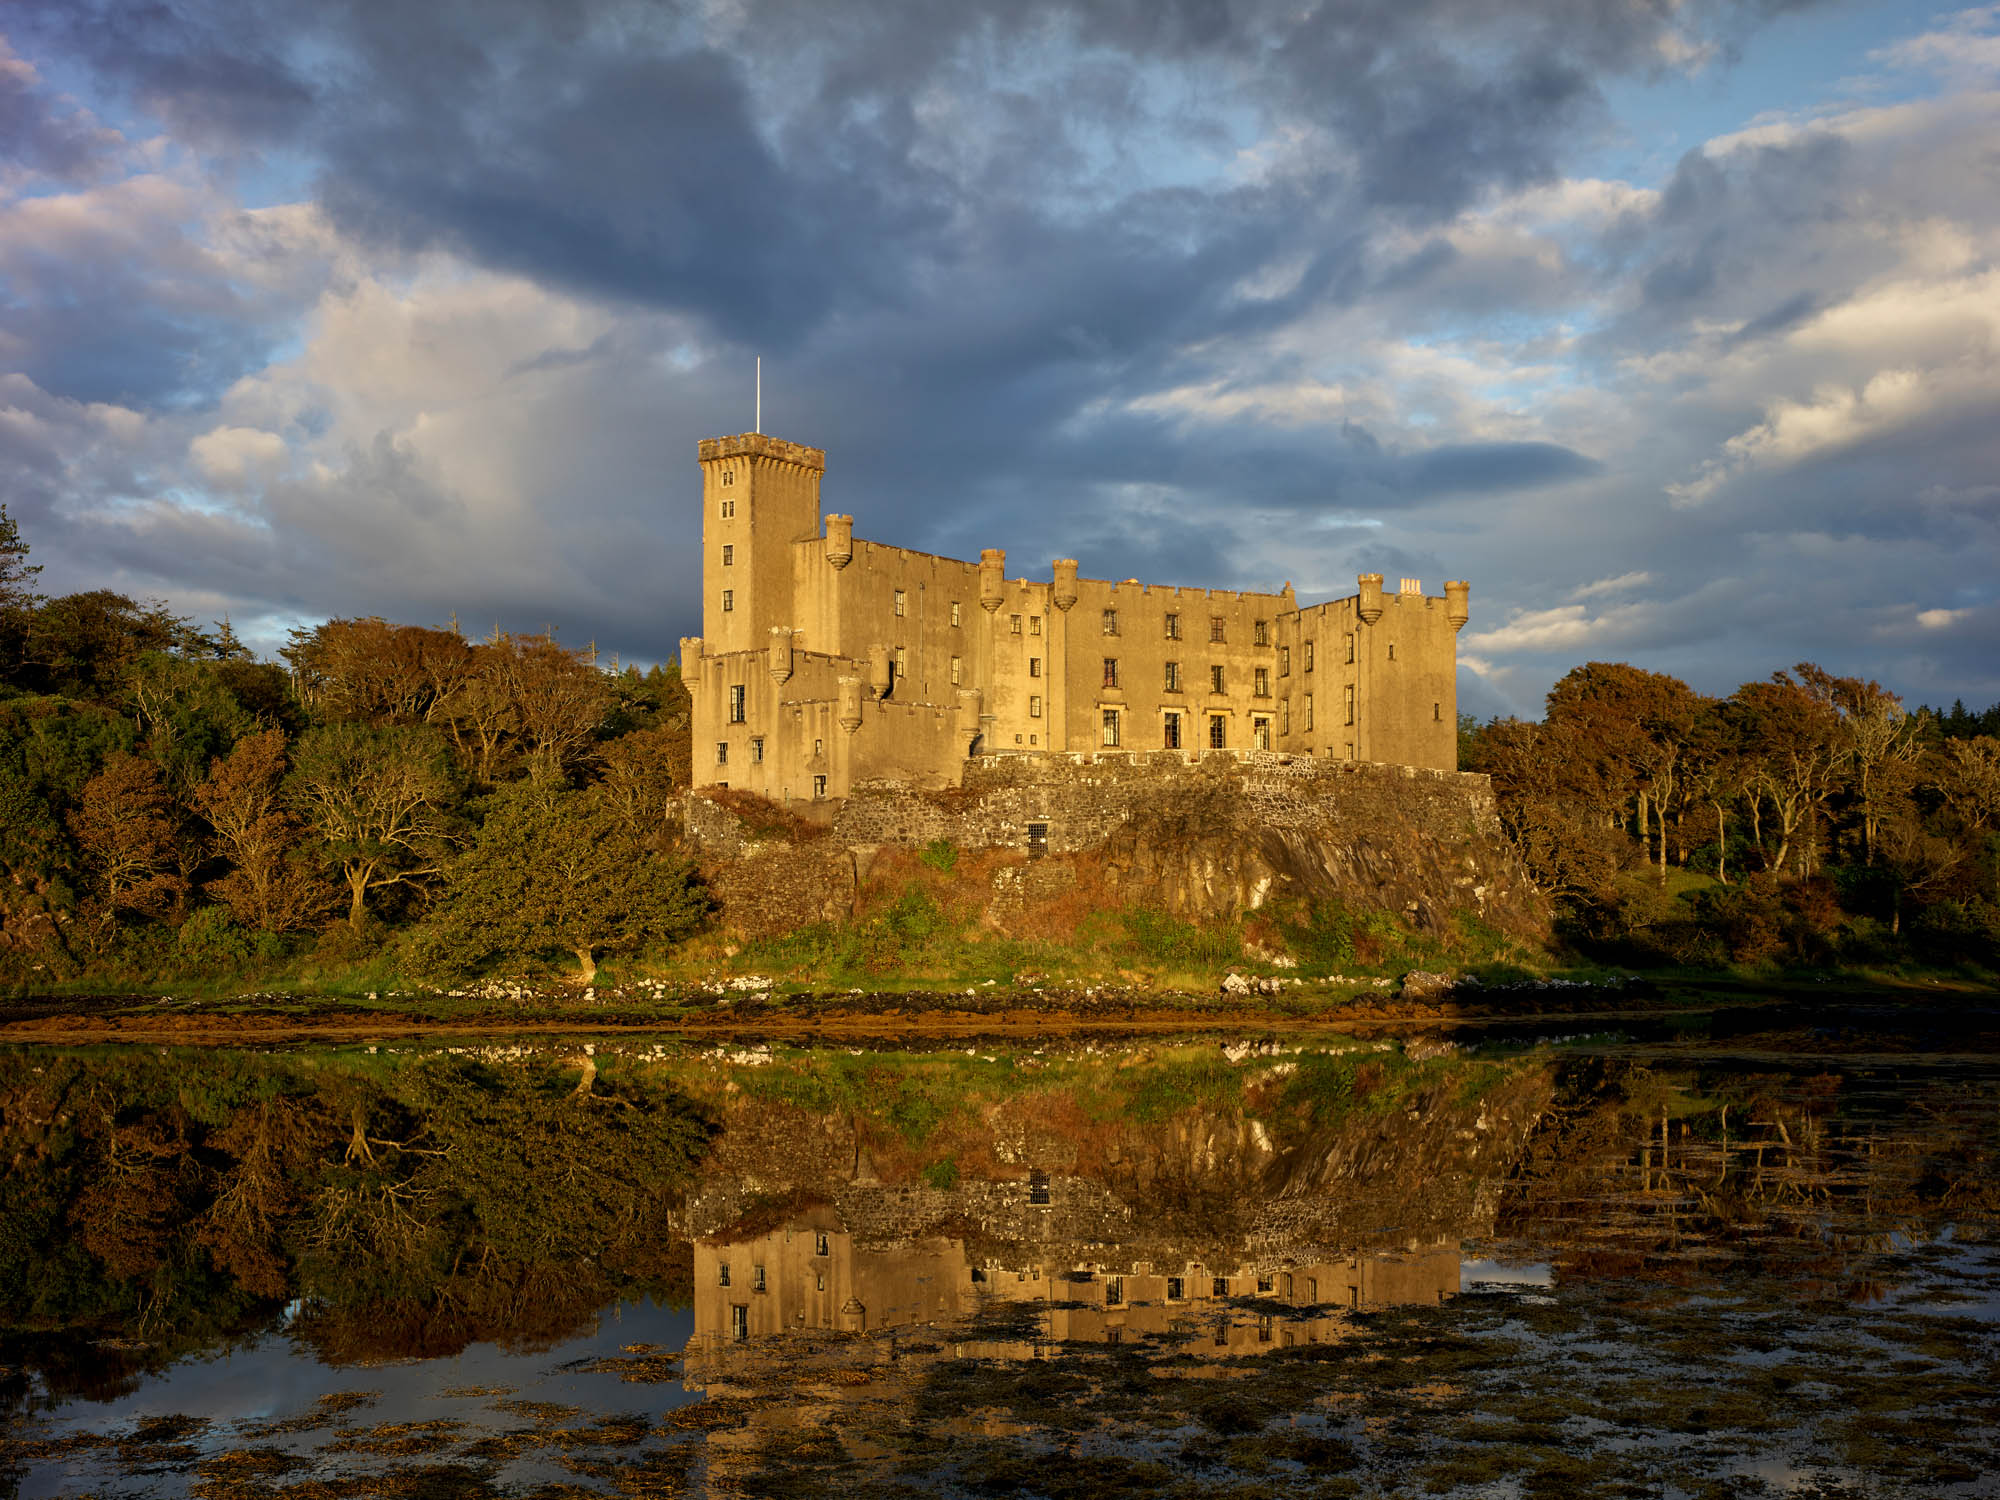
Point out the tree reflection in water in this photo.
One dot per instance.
(1155, 1268)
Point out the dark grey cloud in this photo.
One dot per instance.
(976, 243)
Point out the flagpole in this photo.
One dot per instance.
(760, 394)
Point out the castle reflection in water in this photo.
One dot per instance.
(811, 1276)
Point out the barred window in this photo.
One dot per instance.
(1111, 671)
(1111, 728)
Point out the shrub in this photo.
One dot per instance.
(941, 855)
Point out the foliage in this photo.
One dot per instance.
(940, 855)
(381, 801)
(556, 869)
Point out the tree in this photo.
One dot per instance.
(559, 700)
(186, 714)
(381, 799)
(17, 594)
(1791, 736)
(644, 773)
(269, 886)
(556, 869)
(1636, 725)
(81, 644)
(372, 672)
(128, 829)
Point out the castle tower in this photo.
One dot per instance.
(758, 495)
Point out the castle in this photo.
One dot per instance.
(826, 660)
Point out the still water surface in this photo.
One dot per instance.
(1749, 1257)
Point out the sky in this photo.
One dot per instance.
(1672, 325)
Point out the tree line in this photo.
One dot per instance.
(170, 804)
(1805, 817)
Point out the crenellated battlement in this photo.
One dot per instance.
(827, 659)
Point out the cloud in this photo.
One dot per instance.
(1136, 283)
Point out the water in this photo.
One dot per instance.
(1749, 1255)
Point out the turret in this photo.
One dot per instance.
(1369, 606)
(992, 578)
(878, 670)
(968, 713)
(850, 703)
(691, 648)
(781, 653)
(840, 540)
(1064, 593)
(1457, 603)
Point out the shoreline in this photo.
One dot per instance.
(1850, 1010)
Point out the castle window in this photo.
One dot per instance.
(1034, 624)
(757, 750)
(1350, 750)
(1218, 731)
(1350, 646)
(1309, 656)
(739, 1321)
(1215, 679)
(729, 476)
(1350, 703)
(954, 670)
(728, 600)
(1219, 1286)
(1215, 630)
(1437, 713)
(757, 1279)
(736, 703)
(1111, 671)
(899, 604)
(820, 1243)
(1176, 1288)
(819, 786)
(1284, 661)
(1309, 713)
(1392, 651)
(1173, 627)
(1173, 677)
(1285, 718)
(729, 510)
(1111, 728)
(819, 748)
(1014, 624)
(819, 1281)
(1034, 666)
(902, 660)
(1111, 622)
(722, 752)
(1260, 680)
(1260, 633)
(1260, 732)
(722, 1274)
(954, 614)
(728, 554)
(1171, 731)
(1034, 708)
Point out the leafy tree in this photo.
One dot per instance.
(559, 699)
(186, 714)
(381, 799)
(17, 594)
(644, 774)
(82, 644)
(556, 869)
(372, 672)
(130, 830)
(270, 886)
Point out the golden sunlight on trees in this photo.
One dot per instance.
(556, 869)
(1819, 807)
(128, 830)
(270, 886)
(380, 799)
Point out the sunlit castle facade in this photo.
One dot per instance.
(826, 660)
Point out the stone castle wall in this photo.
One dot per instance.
(1202, 835)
